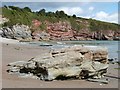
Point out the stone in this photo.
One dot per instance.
(17, 63)
(76, 62)
(104, 81)
(18, 32)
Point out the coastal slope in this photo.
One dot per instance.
(25, 25)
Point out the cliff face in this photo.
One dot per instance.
(64, 31)
(19, 23)
(60, 31)
(56, 31)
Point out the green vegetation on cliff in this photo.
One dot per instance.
(99, 25)
(25, 16)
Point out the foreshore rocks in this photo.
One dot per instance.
(77, 62)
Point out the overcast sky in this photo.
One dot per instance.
(104, 11)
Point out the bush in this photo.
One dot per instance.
(25, 16)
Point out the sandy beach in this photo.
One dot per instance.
(15, 52)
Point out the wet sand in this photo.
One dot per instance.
(13, 52)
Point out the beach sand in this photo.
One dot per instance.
(14, 52)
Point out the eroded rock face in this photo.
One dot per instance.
(40, 35)
(60, 31)
(79, 62)
(19, 32)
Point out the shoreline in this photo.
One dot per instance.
(6, 40)
(17, 52)
(112, 54)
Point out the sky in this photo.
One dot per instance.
(104, 11)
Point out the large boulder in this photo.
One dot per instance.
(77, 62)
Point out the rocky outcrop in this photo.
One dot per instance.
(60, 31)
(78, 62)
(40, 35)
(117, 35)
(19, 32)
(103, 35)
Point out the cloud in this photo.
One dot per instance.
(114, 18)
(72, 10)
(103, 16)
(91, 8)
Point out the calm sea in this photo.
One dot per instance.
(113, 46)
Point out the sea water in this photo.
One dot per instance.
(112, 46)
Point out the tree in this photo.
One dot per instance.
(51, 14)
(74, 16)
(42, 12)
(27, 9)
(14, 8)
(5, 6)
(60, 14)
